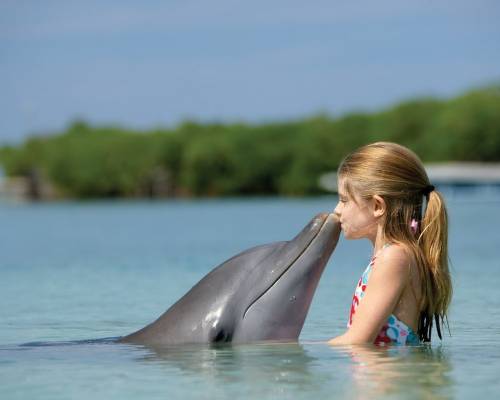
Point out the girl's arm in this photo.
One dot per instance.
(388, 278)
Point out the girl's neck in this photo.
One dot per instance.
(379, 241)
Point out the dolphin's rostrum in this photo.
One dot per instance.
(261, 294)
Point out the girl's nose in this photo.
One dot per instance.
(336, 211)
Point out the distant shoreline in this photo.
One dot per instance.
(454, 174)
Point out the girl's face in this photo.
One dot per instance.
(356, 215)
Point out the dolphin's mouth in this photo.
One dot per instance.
(326, 215)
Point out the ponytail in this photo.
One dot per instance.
(436, 286)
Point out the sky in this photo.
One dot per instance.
(145, 64)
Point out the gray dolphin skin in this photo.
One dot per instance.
(261, 294)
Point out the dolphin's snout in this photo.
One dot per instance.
(319, 220)
(317, 224)
(334, 220)
(326, 215)
(326, 218)
(326, 225)
(322, 216)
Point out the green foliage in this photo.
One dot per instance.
(102, 163)
(407, 123)
(20, 161)
(232, 159)
(467, 129)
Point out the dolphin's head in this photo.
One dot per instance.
(261, 294)
(274, 299)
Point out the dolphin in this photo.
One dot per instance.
(261, 294)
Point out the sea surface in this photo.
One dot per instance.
(73, 272)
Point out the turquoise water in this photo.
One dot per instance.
(70, 272)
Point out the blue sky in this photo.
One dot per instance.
(144, 64)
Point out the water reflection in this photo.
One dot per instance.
(401, 372)
(292, 370)
(302, 370)
(274, 368)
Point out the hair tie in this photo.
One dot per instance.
(414, 226)
(426, 190)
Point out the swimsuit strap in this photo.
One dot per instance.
(386, 245)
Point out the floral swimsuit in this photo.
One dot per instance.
(394, 331)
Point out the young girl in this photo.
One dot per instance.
(385, 196)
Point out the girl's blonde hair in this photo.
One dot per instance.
(397, 175)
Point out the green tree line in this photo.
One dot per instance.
(286, 158)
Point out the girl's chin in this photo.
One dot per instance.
(350, 236)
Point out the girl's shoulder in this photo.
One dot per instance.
(390, 271)
(395, 258)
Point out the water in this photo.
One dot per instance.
(75, 271)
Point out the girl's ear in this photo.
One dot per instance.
(379, 206)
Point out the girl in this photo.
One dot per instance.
(385, 196)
